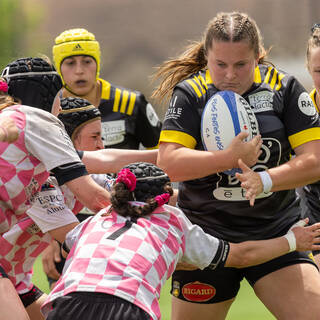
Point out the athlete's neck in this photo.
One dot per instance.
(94, 96)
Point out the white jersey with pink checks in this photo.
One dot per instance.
(42, 145)
(135, 265)
(52, 207)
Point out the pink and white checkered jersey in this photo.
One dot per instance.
(135, 265)
(42, 145)
(53, 207)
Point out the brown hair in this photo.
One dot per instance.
(121, 197)
(314, 41)
(5, 99)
(233, 27)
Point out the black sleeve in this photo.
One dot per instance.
(148, 123)
(221, 256)
(69, 171)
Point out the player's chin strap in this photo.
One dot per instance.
(291, 237)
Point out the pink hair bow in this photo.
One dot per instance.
(3, 86)
(162, 199)
(128, 178)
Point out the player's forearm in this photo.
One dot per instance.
(251, 253)
(298, 172)
(113, 160)
(89, 193)
(183, 164)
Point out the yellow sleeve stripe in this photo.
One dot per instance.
(116, 100)
(304, 136)
(280, 77)
(178, 137)
(124, 100)
(132, 101)
(257, 75)
(195, 88)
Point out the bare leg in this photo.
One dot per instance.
(34, 308)
(183, 310)
(10, 304)
(292, 292)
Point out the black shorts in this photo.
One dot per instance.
(212, 286)
(95, 306)
(31, 296)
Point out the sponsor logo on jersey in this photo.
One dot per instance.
(306, 105)
(31, 188)
(261, 101)
(47, 186)
(176, 288)
(198, 292)
(33, 229)
(235, 194)
(66, 138)
(173, 112)
(151, 115)
(113, 132)
(77, 47)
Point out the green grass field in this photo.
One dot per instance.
(246, 306)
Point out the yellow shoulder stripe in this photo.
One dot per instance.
(304, 136)
(178, 137)
(105, 89)
(257, 75)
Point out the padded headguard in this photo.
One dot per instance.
(75, 42)
(150, 180)
(33, 81)
(76, 113)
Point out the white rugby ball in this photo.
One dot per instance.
(224, 116)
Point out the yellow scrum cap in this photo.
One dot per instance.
(75, 42)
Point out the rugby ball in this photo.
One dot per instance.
(224, 116)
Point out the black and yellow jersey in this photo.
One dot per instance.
(287, 119)
(127, 118)
(311, 193)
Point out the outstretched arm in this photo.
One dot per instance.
(251, 253)
(113, 160)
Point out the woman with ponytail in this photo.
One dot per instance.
(231, 56)
(120, 258)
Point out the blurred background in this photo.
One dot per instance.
(137, 35)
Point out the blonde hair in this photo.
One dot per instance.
(313, 41)
(227, 27)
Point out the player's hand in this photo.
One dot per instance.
(250, 181)
(49, 256)
(249, 151)
(307, 238)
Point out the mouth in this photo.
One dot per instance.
(81, 83)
